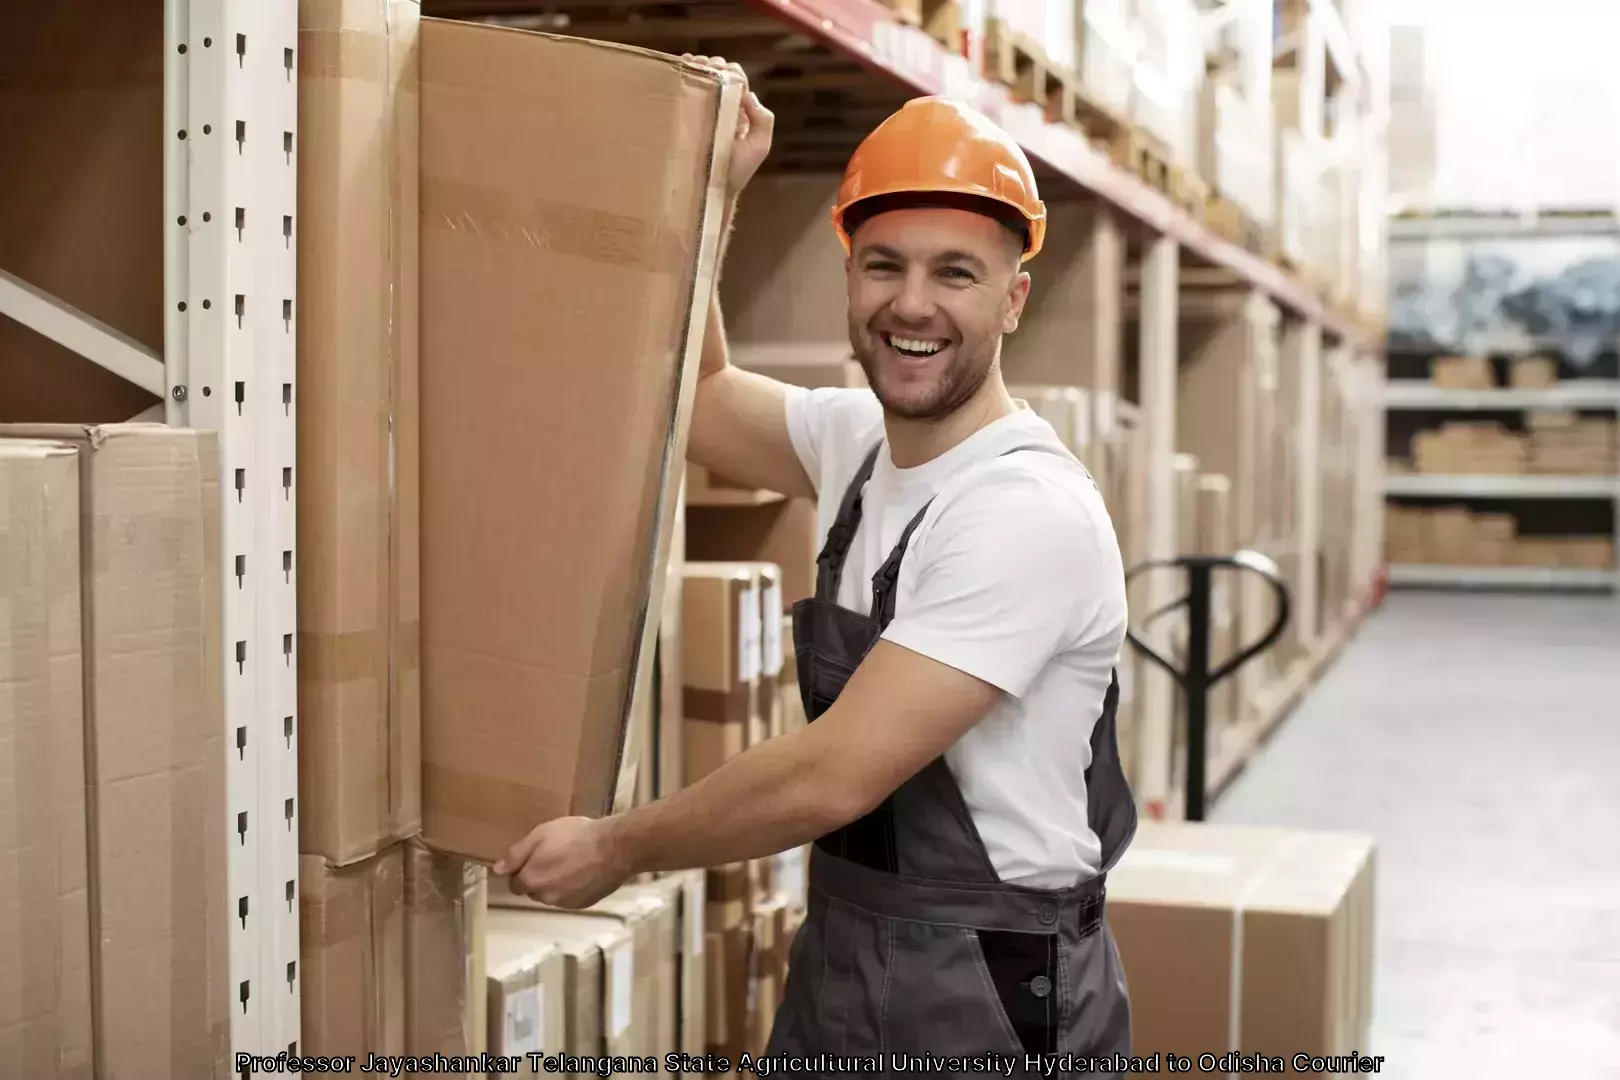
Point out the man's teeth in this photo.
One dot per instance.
(921, 348)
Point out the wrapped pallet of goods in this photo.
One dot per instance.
(1105, 52)
(1167, 75)
(1236, 145)
(1298, 199)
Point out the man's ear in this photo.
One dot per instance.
(1017, 297)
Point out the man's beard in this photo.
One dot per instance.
(952, 389)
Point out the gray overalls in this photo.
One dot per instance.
(912, 944)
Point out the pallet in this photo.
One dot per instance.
(1020, 64)
(1228, 221)
(939, 19)
(1144, 155)
(1189, 192)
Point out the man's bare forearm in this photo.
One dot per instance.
(773, 797)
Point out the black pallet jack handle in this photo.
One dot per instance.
(1196, 680)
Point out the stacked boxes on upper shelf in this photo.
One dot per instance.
(1235, 123)
(1167, 74)
(477, 636)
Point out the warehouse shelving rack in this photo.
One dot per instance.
(230, 119)
(228, 363)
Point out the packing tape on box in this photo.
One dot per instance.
(572, 229)
(361, 909)
(452, 889)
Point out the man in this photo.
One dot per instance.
(960, 775)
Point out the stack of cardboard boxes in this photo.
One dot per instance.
(1458, 536)
(114, 778)
(1563, 443)
(1479, 448)
(478, 635)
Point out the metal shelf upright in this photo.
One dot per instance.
(230, 274)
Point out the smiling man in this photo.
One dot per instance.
(960, 775)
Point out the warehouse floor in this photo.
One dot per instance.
(1477, 739)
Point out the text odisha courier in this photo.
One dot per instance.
(819, 1064)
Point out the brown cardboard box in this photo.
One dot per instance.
(527, 1007)
(359, 598)
(728, 987)
(692, 1009)
(811, 364)
(446, 900)
(1249, 939)
(729, 898)
(760, 632)
(767, 962)
(652, 909)
(352, 955)
(599, 959)
(1533, 372)
(783, 533)
(45, 1020)
(150, 598)
(541, 586)
(720, 653)
(1463, 372)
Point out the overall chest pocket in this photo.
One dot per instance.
(821, 679)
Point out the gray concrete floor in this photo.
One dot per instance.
(1476, 737)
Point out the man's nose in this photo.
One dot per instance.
(915, 301)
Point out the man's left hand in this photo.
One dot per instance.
(567, 863)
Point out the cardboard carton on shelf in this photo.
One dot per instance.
(599, 974)
(541, 587)
(1251, 939)
(721, 652)
(149, 596)
(446, 998)
(352, 955)
(46, 1004)
(1533, 372)
(359, 580)
(1462, 372)
(527, 1002)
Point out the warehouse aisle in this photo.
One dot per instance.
(1477, 738)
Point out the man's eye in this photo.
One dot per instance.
(882, 267)
(957, 273)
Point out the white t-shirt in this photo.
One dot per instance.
(1013, 576)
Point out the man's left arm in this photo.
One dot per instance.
(995, 599)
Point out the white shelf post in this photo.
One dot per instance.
(230, 270)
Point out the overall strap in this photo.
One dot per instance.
(830, 563)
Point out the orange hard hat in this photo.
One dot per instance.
(935, 145)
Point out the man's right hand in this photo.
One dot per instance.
(754, 127)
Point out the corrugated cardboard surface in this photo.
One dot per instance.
(527, 1005)
(693, 1007)
(155, 754)
(446, 899)
(45, 1023)
(1249, 939)
(81, 120)
(599, 955)
(658, 976)
(352, 955)
(553, 422)
(359, 594)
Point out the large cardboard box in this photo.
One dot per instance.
(720, 658)
(692, 1010)
(599, 975)
(1248, 939)
(652, 912)
(351, 947)
(359, 596)
(527, 1009)
(446, 899)
(155, 779)
(45, 1022)
(564, 290)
